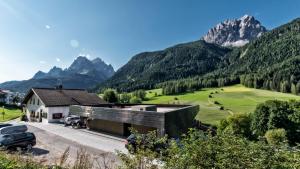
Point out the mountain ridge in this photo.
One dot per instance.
(235, 32)
(82, 73)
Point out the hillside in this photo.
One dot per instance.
(234, 99)
(82, 73)
(181, 61)
(270, 62)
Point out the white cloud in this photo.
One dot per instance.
(47, 26)
(57, 60)
(42, 62)
(74, 43)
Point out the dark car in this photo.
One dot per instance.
(4, 125)
(23, 140)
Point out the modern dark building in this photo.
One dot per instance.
(172, 120)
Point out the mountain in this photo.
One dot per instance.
(236, 32)
(83, 73)
(269, 61)
(147, 69)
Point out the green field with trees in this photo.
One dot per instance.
(218, 103)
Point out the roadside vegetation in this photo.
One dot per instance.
(10, 113)
(268, 138)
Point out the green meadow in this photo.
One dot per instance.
(232, 99)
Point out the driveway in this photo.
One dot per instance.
(50, 147)
(97, 141)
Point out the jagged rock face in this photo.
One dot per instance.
(237, 32)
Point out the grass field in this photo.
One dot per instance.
(234, 99)
(10, 114)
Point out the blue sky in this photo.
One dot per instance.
(39, 34)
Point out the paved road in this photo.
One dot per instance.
(102, 142)
(50, 148)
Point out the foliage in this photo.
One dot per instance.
(198, 150)
(139, 94)
(135, 100)
(276, 136)
(110, 95)
(276, 114)
(237, 124)
(125, 98)
(147, 69)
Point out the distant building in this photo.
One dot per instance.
(52, 105)
(6, 97)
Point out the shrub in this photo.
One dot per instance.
(276, 136)
(135, 100)
(110, 95)
(237, 124)
(139, 94)
(175, 98)
(275, 114)
(210, 96)
(216, 102)
(125, 98)
(222, 108)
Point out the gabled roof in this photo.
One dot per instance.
(64, 97)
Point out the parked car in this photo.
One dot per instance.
(78, 123)
(5, 125)
(23, 140)
(9, 129)
(70, 119)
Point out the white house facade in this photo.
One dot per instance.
(52, 105)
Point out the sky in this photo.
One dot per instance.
(37, 35)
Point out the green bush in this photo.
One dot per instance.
(276, 136)
(110, 95)
(135, 100)
(237, 124)
(197, 150)
(275, 114)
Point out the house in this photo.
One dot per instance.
(52, 104)
(117, 119)
(6, 96)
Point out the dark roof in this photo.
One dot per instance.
(64, 97)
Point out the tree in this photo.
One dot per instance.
(125, 98)
(110, 95)
(293, 89)
(274, 114)
(135, 100)
(139, 94)
(236, 124)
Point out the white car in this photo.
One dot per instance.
(68, 120)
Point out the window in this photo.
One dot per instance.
(44, 115)
(38, 102)
(33, 101)
(57, 116)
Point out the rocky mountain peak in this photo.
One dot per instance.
(235, 32)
